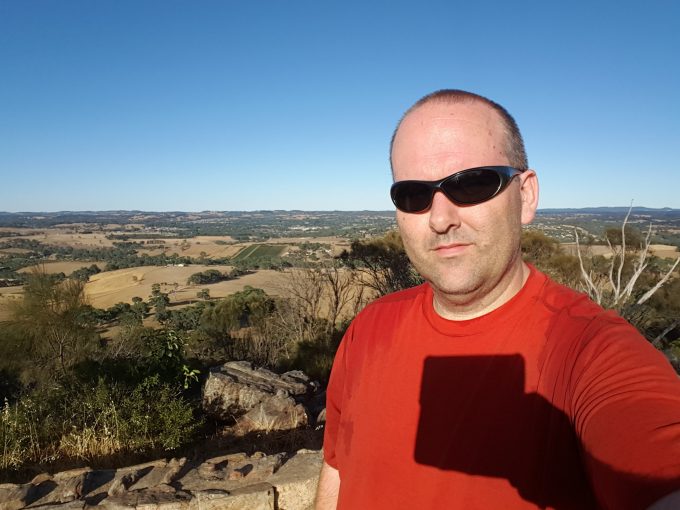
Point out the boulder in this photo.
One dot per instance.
(235, 388)
(277, 412)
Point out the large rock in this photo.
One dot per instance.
(296, 481)
(13, 496)
(277, 412)
(237, 387)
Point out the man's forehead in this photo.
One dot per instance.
(441, 114)
(438, 125)
(440, 138)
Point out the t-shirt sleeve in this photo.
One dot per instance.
(626, 412)
(334, 400)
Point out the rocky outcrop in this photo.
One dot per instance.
(258, 399)
(230, 482)
(252, 400)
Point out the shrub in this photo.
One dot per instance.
(95, 421)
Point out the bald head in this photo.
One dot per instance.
(513, 146)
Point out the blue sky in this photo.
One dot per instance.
(244, 105)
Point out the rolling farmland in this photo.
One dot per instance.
(258, 251)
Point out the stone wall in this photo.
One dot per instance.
(230, 482)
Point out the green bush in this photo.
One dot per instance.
(94, 421)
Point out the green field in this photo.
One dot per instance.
(258, 251)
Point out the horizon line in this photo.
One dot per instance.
(214, 211)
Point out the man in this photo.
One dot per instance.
(490, 386)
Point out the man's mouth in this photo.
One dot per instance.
(451, 249)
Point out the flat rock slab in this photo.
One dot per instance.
(230, 472)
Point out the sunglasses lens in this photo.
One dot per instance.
(466, 187)
(472, 186)
(412, 196)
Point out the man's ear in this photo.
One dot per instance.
(528, 181)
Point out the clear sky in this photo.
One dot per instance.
(270, 104)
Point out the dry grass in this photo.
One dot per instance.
(89, 443)
(7, 296)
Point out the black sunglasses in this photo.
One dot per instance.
(467, 187)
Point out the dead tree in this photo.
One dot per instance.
(615, 292)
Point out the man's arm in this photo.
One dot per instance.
(670, 502)
(327, 490)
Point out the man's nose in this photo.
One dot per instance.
(444, 214)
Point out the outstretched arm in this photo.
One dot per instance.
(670, 502)
(327, 491)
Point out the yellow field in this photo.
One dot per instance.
(664, 251)
(106, 289)
(64, 237)
(660, 250)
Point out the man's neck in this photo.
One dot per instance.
(482, 301)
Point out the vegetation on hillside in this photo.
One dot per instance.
(71, 395)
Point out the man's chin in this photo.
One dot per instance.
(458, 291)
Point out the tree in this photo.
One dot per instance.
(616, 290)
(546, 254)
(160, 301)
(139, 307)
(245, 308)
(53, 321)
(238, 327)
(382, 263)
(628, 280)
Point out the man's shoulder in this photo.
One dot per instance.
(394, 304)
(400, 298)
(573, 316)
(577, 306)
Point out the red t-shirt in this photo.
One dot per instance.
(546, 402)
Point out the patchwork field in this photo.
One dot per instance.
(258, 251)
(210, 246)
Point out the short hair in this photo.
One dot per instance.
(514, 144)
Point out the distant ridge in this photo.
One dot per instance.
(125, 212)
(596, 210)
